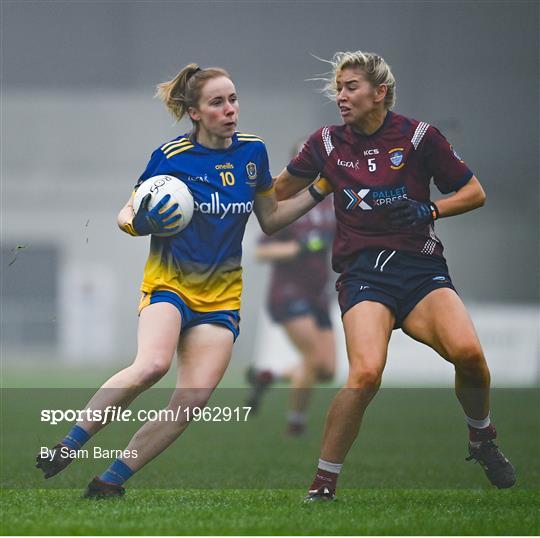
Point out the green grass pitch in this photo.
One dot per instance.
(406, 474)
(273, 512)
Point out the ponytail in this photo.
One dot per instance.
(184, 90)
(173, 92)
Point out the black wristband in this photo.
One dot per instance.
(317, 196)
(434, 211)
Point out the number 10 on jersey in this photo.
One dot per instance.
(227, 179)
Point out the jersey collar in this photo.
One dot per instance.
(193, 140)
(351, 136)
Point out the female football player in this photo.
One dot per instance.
(298, 299)
(193, 280)
(393, 273)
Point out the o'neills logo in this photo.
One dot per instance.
(225, 166)
(216, 207)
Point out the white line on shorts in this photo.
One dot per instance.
(386, 261)
(378, 258)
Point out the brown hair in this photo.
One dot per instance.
(184, 90)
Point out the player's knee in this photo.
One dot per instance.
(365, 378)
(469, 356)
(199, 398)
(151, 373)
(193, 401)
(325, 373)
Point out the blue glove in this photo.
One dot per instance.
(150, 221)
(406, 212)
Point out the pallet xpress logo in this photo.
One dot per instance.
(356, 199)
(367, 199)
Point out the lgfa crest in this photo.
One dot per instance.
(396, 158)
(251, 169)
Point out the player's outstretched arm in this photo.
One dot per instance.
(273, 215)
(277, 251)
(287, 185)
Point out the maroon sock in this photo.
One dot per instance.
(477, 435)
(324, 478)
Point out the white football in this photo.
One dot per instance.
(158, 187)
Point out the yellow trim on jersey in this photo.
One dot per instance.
(267, 192)
(245, 137)
(166, 147)
(177, 145)
(145, 300)
(146, 297)
(196, 296)
(203, 287)
(181, 150)
(238, 133)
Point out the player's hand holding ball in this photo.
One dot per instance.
(153, 221)
(406, 212)
(163, 206)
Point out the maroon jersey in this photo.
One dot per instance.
(305, 276)
(370, 172)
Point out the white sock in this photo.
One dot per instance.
(330, 467)
(478, 424)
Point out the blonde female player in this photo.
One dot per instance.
(393, 273)
(193, 280)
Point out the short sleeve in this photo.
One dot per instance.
(309, 163)
(151, 167)
(448, 170)
(264, 181)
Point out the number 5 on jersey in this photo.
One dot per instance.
(227, 179)
(371, 164)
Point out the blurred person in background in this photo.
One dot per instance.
(192, 281)
(298, 299)
(379, 165)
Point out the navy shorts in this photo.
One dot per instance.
(397, 279)
(294, 308)
(190, 318)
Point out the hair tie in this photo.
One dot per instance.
(193, 73)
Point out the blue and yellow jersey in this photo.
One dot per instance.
(202, 263)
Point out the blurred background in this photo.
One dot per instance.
(79, 124)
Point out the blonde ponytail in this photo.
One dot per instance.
(173, 92)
